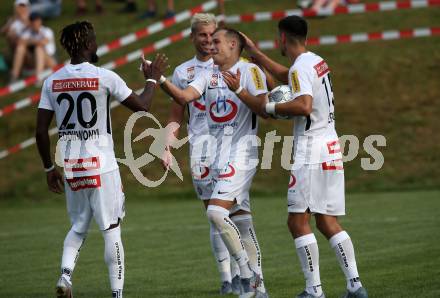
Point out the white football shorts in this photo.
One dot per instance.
(317, 187)
(232, 184)
(99, 196)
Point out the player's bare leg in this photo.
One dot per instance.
(218, 215)
(243, 220)
(222, 257)
(114, 258)
(341, 243)
(307, 251)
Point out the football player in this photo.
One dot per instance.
(316, 184)
(233, 92)
(79, 96)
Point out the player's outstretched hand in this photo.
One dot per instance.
(231, 79)
(55, 181)
(155, 69)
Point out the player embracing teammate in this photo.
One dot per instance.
(233, 92)
(316, 184)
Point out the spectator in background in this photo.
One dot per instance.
(81, 7)
(35, 47)
(15, 26)
(46, 8)
(151, 9)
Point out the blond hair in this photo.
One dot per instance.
(202, 19)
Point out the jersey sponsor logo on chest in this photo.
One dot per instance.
(84, 182)
(77, 84)
(321, 68)
(223, 110)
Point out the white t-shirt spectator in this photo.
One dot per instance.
(17, 27)
(44, 32)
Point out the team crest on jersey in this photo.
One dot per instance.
(256, 77)
(223, 110)
(190, 73)
(214, 80)
(334, 147)
(321, 68)
(295, 82)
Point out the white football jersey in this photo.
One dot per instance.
(230, 121)
(80, 97)
(182, 76)
(316, 140)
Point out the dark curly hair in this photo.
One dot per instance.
(74, 37)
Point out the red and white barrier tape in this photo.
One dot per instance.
(110, 65)
(115, 44)
(360, 37)
(349, 9)
(323, 40)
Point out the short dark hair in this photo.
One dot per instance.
(34, 16)
(74, 37)
(234, 34)
(294, 27)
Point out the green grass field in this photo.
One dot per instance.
(168, 252)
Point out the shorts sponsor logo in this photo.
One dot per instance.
(333, 165)
(292, 181)
(228, 172)
(200, 172)
(334, 147)
(75, 84)
(256, 77)
(190, 72)
(78, 183)
(229, 108)
(321, 68)
(295, 82)
(81, 165)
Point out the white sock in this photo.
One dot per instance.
(308, 253)
(343, 247)
(71, 249)
(221, 254)
(114, 258)
(230, 234)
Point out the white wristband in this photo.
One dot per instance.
(238, 90)
(49, 169)
(152, 81)
(162, 80)
(270, 108)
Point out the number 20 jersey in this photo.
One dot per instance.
(316, 140)
(80, 97)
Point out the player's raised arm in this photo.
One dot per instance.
(182, 96)
(152, 73)
(280, 72)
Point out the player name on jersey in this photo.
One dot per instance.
(77, 84)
